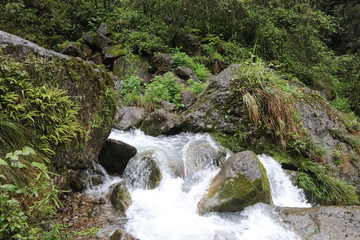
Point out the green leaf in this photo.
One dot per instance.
(9, 187)
(39, 165)
(3, 162)
(28, 151)
(13, 156)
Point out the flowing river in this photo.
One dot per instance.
(169, 212)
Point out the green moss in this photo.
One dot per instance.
(115, 51)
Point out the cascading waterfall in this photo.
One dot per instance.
(169, 212)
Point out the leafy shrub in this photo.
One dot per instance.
(182, 59)
(164, 88)
(328, 190)
(26, 208)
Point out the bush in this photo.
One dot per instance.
(26, 207)
(200, 70)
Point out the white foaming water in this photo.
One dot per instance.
(169, 212)
(283, 192)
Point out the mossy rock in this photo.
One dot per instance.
(241, 182)
(113, 52)
(120, 198)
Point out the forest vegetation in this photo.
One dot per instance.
(315, 42)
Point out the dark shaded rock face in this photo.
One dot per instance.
(86, 84)
(185, 73)
(161, 122)
(115, 155)
(187, 42)
(127, 117)
(319, 223)
(121, 235)
(97, 40)
(241, 182)
(143, 171)
(120, 198)
(162, 63)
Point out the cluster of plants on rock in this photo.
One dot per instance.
(165, 87)
(45, 109)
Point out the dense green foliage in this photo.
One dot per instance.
(276, 41)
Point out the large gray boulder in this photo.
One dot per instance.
(143, 171)
(209, 113)
(128, 117)
(115, 155)
(120, 198)
(241, 182)
(319, 223)
(161, 122)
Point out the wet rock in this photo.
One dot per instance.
(143, 171)
(161, 122)
(115, 155)
(120, 198)
(79, 182)
(201, 155)
(128, 117)
(121, 235)
(72, 50)
(187, 42)
(185, 73)
(162, 63)
(318, 223)
(241, 182)
(97, 180)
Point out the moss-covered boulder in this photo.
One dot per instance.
(120, 198)
(143, 171)
(128, 117)
(241, 182)
(74, 108)
(115, 155)
(132, 64)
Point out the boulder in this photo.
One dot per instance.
(187, 42)
(162, 63)
(120, 198)
(84, 83)
(96, 40)
(211, 111)
(241, 182)
(137, 65)
(128, 117)
(80, 181)
(115, 155)
(161, 122)
(122, 235)
(167, 106)
(200, 155)
(111, 53)
(330, 223)
(143, 171)
(185, 73)
(72, 50)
